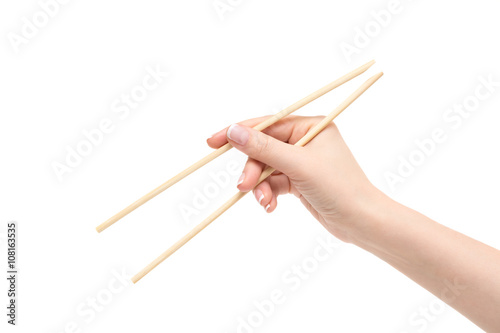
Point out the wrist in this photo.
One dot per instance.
(392, 231)
(375, 214)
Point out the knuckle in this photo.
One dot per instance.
(262, 145)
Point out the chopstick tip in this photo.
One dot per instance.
(377, 76)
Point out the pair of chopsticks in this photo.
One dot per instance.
(268, 171)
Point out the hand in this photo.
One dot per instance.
(324, 174)
(326, 178)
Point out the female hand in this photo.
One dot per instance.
(324, 174)
(326, 178)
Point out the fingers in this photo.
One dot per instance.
(250, 175)
(289, 129)
(292, 128)
(219, 139)
(263, 194)
(267, 192)
(274, 147)
(281, 156)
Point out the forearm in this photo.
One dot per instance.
(459, 270)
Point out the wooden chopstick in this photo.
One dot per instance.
(266, 123)
(268, 171)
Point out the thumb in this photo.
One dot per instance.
(266, 149)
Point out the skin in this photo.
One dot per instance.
(326, 178)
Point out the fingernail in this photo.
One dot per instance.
(259, 196)
(241, 179)
(211, 136)
(238, 134)
(267, 208)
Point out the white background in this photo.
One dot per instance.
(252, 60)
